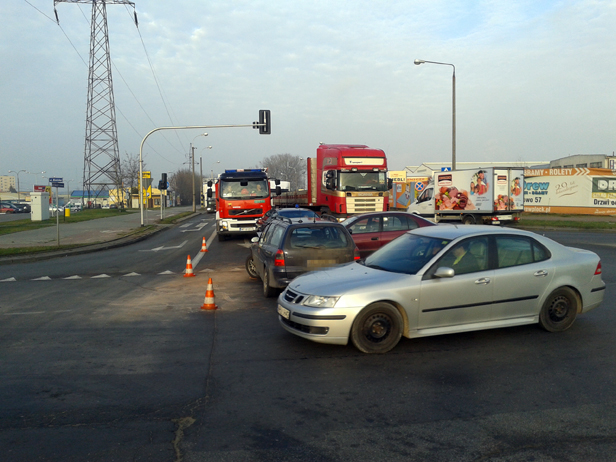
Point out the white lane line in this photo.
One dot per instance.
(44, 278)
(9, 280)
(132, 274)
(73, 277)
(200, 255)
(101, 276)
(17, 314)
(167, 272)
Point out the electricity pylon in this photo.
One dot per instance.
(101, 161)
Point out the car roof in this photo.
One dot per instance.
(455, 231)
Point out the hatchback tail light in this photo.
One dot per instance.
(356, 254)
(279, 258)
(598, 270)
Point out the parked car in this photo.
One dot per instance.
(289, 247)
(6, 207)
(291, 212)
(442, 280)
(21, 207)
(371, 231)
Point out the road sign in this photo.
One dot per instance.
(57, 184)
(419, 187)
(56, 180)
(445, 169)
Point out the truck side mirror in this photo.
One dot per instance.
(209, 193)
(390, 183)
(278, 190)
(209, 184)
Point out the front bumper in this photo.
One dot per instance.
(322, 325)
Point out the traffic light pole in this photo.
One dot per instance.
(263, 126)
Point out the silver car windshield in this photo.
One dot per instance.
(406, 254)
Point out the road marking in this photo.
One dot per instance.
(9, 280)
(73, 277)
(44, 278)
(167, 272)
(132, 274)
(101, 276)
(198, 227)
(165, 248)
(30, 312)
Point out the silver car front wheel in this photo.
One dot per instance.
(377, 329)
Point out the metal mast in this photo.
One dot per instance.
(101, 163)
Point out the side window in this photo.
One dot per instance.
(365, 225)
(467, 256)
(516, 250)
(275, 238)
(412, 224)
(393, 223)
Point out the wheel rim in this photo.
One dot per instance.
(559, 309)
(377, 328)
(251, 267)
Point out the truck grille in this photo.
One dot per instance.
(364, 204)
(245, 212)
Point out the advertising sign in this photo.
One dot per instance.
(463, 190)
(570, 190)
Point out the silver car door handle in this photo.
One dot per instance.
(482, 281)
(541, 273)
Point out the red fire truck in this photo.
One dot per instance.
(242, 197)
(343, 180)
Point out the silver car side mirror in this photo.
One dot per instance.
(444, 272)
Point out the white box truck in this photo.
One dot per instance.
(478, 196)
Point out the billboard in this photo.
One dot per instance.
(585, 191)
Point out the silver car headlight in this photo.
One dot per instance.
(319, 301)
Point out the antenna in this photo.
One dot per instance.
(101, 161)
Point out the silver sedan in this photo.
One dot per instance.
(442, 280)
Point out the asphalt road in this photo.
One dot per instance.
(109, 357)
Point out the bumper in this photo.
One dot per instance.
(322, 325)
(594, 299)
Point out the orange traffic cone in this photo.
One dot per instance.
(204, 246)
(208, 303)
(189, 271)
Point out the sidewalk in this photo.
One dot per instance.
(101, 233)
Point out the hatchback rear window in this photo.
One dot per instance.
(331, 237)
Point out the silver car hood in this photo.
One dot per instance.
(343, 279)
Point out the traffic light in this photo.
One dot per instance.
(162, 184)
(265, 121)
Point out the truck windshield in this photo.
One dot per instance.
(244, 189)
(363, 181)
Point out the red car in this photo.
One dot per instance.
(5, 207)
(371, 231)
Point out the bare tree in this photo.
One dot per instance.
(130, 172)
(287, 167)
(181, 183)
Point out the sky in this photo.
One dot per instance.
(534, 80)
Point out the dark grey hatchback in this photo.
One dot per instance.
(289, 247)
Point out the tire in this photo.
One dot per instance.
(468, 220)
(377, 329)
(268, 291)
(250, 268)
(559, 310)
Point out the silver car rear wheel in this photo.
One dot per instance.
(377, 329)
(250, 268)
(559, 310)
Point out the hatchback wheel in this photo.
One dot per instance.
(268, 291)
(377, 329)
(559, 310)
(250, 268)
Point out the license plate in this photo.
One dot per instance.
(283, 312)
(247, 229)
(320, 263)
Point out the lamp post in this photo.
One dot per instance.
(453, 104)
(201, 172)
(35, 173)
(192, 158)
(17, 175)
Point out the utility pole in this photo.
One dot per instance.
(192, 150)
(101, 163)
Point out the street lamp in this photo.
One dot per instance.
(17, 175)
(453, 98)
(212, 170)
(201, 172)
(192, 157)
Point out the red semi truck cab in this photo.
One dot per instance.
(242, 197)
(344, 179)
